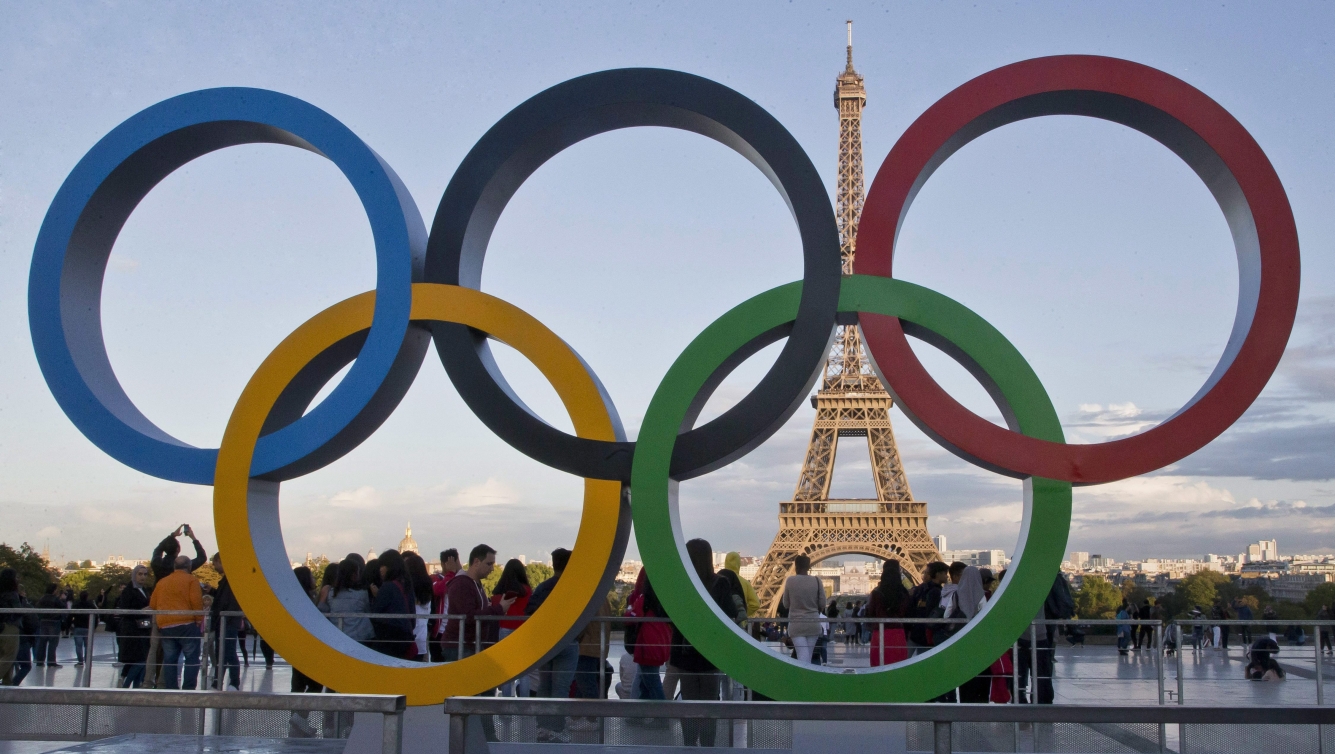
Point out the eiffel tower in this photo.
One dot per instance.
(851, 402)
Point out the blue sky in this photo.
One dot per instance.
(1092, 248)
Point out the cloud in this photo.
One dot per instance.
(47, 532)
(1300, 453)
(362, 498)
(489, 493)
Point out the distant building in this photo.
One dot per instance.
(630, 570)
(940, 542)
(1293, 587)
(994, 559)
(1266, 549)
(408, 544)
(1079, 559)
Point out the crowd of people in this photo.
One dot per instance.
(393, 605)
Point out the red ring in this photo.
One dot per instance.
(1194, 127)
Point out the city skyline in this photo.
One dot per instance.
(1089, 246)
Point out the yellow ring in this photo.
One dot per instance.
(245, 511)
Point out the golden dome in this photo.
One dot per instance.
(408, 544)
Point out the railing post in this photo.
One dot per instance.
(391, 733)
(1320, 692)
(458, 726)
(941, 737)
(1181, 727)
(1033, 664)
(1159, 670)
(461, 639)
(477, 634)
(92, 631)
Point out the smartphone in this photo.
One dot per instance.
(511, 596)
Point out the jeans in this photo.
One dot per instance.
(176, 641)
(586, 677)
(555, 676)
(48, 639)
(134, 676)
(80, 643)
(804, 646)
(649, 682)
(519, 686)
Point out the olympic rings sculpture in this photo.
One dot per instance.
(426, 291)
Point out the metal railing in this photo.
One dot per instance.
(466, 737)
(391, 708)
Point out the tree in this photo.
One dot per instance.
(207, 575)
(1322, 596)
(1201, 589)
(33, 569)
(1096, 598)
(85, 564)
(536, 572)
(111, 578)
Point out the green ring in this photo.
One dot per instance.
(1047, 504)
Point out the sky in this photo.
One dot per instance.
(1090, 246)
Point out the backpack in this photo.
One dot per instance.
(923, 602)
(1059, 605)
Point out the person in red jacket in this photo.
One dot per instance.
(513, 583)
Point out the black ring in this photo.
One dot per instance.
(566, 114)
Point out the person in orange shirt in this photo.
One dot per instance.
(180, 633)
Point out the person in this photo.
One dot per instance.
(1271, 619)
(227, 626)
(732, 562)
(48, 632)
(557, 674)
(327, 579)
(970, 599)
(1324, 615)
(179, 634)
(163, 562)
(421, 597)
(79, 626)
(1059, 605)
(393, 635)
(1148, 611)
(133, 631)
(449, 568)
(299, 725)
(27, 638)
(1262, 665)
(653, 642)
(349, 595)
(888, 600)
(1223, 614)
(1197, 628)
(1244, 612)
(593, 648)
(924, 602)
(11, 624)
(699, 678)
(467, 598)
(804, 597)
(1124, 630)
(513, 583)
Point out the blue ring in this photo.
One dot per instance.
(80, 228)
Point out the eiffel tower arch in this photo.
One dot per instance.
(851, 402)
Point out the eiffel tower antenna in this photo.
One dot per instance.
(851, 402)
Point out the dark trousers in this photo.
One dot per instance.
(23, 660)
(48, 639)
(586, 677)
(1046, 657)
(231, 666)
(1223, 636)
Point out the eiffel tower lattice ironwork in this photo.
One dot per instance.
(851, 402)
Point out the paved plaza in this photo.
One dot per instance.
(1090, 674)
